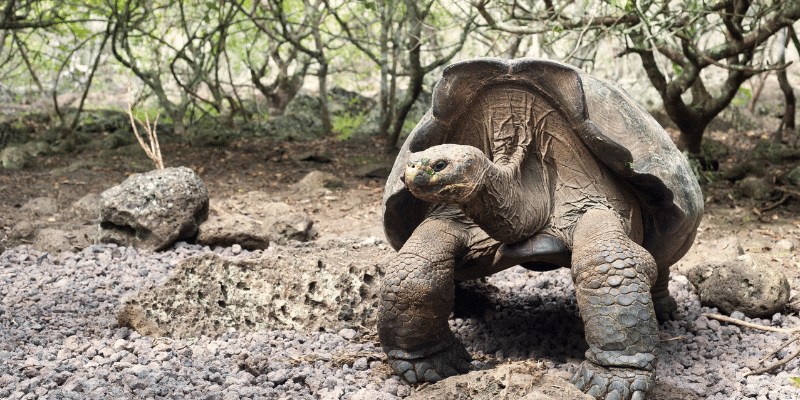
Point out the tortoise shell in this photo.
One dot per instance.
(617, 131)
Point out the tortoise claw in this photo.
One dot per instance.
(453, 360)
(612, 383)
(665, 308)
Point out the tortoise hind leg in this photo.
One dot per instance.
(666, 307)
(416, 299)
(612, 276)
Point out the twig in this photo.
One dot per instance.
(778, 349)
(749, 325)
(775, 204)
(794, 332)
(793, 192)
(785, 360)
(154, 150)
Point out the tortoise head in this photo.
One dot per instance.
(446, 174)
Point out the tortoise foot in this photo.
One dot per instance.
(613, 383)
(434, 367)
(666, 308)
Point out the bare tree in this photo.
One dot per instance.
(411, 23)
(689, 36)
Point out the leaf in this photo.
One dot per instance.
(80, 31)
(795, 381)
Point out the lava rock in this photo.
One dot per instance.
(15, 157)
(745, 285)
(22, 230)
(87, 207)
(317, 180)
(755, 188)
(793, 176)
(154, 209)
(209, 294)
(41, 206)
(298, 226)
(53, 241)
(515, 380)
(228, 229)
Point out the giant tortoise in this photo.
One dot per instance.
(534, 163)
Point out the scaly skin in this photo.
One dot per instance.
(612, 277)
(416, 299)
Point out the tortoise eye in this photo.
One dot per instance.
(440, 165)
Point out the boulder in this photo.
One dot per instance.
(516, 380)
(22, 230)
(53, 241)
(41, 206)
(228, 229)
(255, 204)
(740, 171)
(209, 295)
(773, 152)
(316, 180)
(793, 176)
(746, 285)
(87, 207)
(755, 188)
(154, 209)
(16, 158)
(298, 226)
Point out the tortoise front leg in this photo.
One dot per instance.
(612, 276)
(416, 299)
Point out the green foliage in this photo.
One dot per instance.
(742, 97)
(344, 124)
(795, 381)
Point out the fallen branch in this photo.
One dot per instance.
(751, 325)
(775, 204)
(795, 337)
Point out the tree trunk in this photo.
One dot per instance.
(416, 74)
(787, 125)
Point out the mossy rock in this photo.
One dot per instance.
(210, 137)
(116, 140)
(740, 171)
(774, 152)
(792, 177)
(755, 188)
(16, 158)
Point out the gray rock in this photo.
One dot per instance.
(41, 206)
(300, 121)
(87, 207)
(783, 247)
(16, 158)
(755, 188)
(209, 294)
(315, 180)
(37, 148)
(516, 380)
(53, 241)
(256, 204)
(773, 152)
(228, 229)
(154, 209)
(298, 226)
(793, 176)
(752, 287)
(22, 230)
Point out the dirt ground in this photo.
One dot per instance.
(732, 224)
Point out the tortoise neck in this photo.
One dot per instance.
(511, 204)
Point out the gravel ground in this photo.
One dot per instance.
(59, 338)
